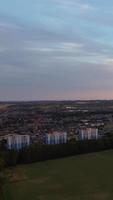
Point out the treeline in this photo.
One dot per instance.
(2, 176)
(37, 152)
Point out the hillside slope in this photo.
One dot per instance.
(84, 177)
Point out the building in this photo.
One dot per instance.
(88, 134)
(16, 141)
(56, 137)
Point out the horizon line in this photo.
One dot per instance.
(53, 100)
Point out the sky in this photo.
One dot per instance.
(56, 49)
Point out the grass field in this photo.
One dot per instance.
(84, 177)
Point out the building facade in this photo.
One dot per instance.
(56, 138)
(88, 134)
(16, 141)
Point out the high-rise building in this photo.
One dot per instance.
(56, 137)
(16, 141)
(88, 134)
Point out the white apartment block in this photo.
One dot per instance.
(16, 141)
(56, 138)
(88, 134)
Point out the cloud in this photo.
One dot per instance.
(7, 25)
(81, 6)
(85, 7)
(52, 47)
(61, 52)
(109, 61)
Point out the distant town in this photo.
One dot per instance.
(54, 122)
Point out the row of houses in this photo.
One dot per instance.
(16, 141)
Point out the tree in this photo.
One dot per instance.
(1, 173)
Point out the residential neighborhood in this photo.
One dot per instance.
(22, 124)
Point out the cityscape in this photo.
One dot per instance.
(56, 100)
(22, 124)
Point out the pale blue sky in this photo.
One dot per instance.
(56, 49)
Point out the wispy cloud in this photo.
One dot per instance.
(52, 47)
(55, 49)
(85, 8)
(81, 6)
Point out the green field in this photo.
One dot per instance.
(84, 177)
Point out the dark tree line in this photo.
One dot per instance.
(2, 176)
(38, 152)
